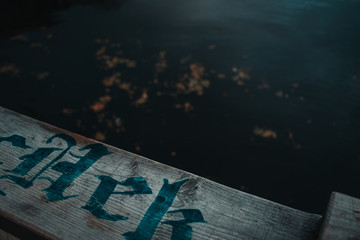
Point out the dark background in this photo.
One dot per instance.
(259, 95)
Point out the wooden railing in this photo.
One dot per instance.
(55, 184)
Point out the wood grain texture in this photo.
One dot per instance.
(227, 213)
(342, 219)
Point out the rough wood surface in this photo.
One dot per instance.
(342, 219)
(66, 190)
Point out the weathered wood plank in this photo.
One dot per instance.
(66, 186)
(342, 218)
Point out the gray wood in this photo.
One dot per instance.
(228, 213)
(342, 218)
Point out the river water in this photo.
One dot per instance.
(259, 95)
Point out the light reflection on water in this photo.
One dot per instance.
(259, 95)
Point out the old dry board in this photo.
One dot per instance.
(64, 186)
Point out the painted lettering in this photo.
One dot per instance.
(70, 171)
(32, 160)
(106, 189)
(16, 140)
(181, 229)
(156, 211)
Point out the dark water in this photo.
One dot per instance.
(259, 95)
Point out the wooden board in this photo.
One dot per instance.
(342, 219)
(65, 186)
